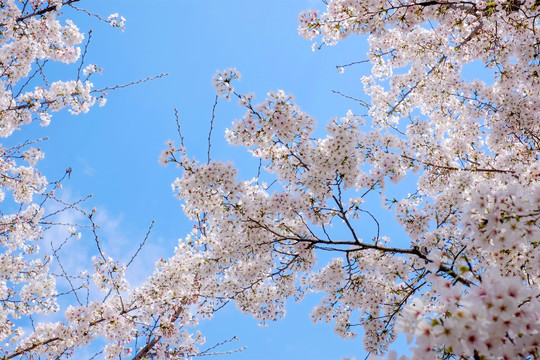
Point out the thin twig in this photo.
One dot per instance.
(84, 54)
(141, 244)
(89, 13)
(361, 102)
(351, 64)
(211, 127)
(208, 352)
(129, 84)
(178, 127)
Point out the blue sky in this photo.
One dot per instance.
(113, 150)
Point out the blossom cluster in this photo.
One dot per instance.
(222, 82)
(116, 20)
(499, 316)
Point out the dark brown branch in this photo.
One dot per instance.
(41, 12)
(453, 168)
(145, 350)
(356, 245)
(34, 346)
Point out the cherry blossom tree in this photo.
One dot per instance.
(146, 322)
(30, 37)
(464, 285)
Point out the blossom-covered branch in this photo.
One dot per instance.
(464, 283)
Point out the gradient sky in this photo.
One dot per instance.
(113, 150)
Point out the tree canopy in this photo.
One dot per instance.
(463, 285)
